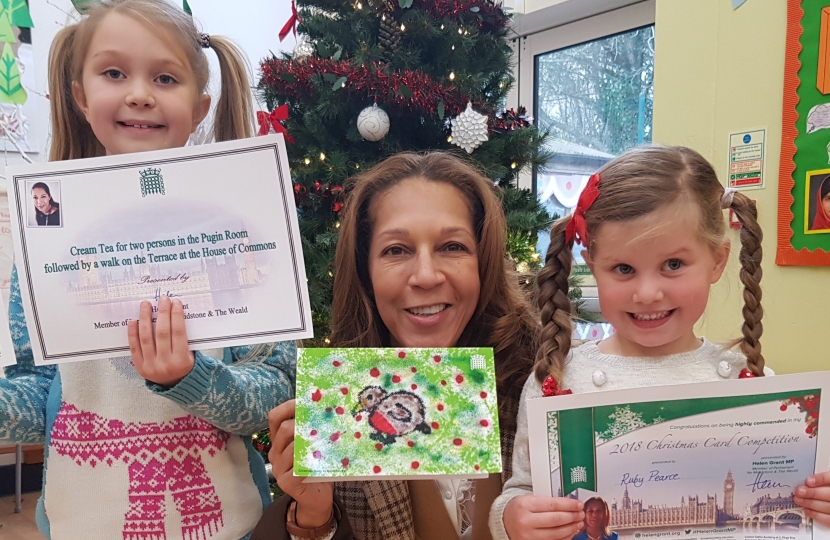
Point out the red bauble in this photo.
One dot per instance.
(746, 374)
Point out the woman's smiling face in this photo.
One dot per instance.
(43, 202)
(423, 263)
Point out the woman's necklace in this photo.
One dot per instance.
(594, 537)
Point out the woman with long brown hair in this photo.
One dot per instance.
(420, 263)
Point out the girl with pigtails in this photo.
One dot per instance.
(156, 444)
(652, 227)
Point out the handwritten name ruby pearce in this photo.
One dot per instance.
(669, 442)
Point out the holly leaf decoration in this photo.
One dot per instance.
(10, 89)
(441, 110)
(288, 77)
(339, 83)
(405, 91)
(337, 55)
(405, 4)
(475, 9)
(18, 11)
(329, 77)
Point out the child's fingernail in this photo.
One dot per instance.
(812, 481)
(801, 491)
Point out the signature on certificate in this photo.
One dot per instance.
(761, 483)
(653, 476)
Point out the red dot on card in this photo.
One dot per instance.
(783, 407)
(344, 391)
(317, 395)
(809, 429)
(396, 379)
(459, 378)
(477, 467)
(435, 425)
(374, 372)
(456, 442)
(443, 383)
(483, 395)
(313, 432)
(415, 464)
(440, 407)
(401, 354)
(414, 387)
(410, 444)
(345, 462)
(378, 447)
(809, 403)
(317, 454)
(358, 418)
(414, 370)
(376, 469)
(436, 358)
(328, 409)
(814, 414)
(484, 423)
(339, 410)
(336, 364)
(334, 436)
(357, 435)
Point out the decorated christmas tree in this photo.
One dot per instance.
(370, 78)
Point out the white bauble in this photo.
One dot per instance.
(373, 123)
(469, 129)
(303, 49)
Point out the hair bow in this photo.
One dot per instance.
(291, 25)
(268, 120)
(577, 228)
(551, 388)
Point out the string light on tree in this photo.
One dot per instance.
(469, 129)
(373, 123)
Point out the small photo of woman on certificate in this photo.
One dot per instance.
(47, 211)
(597, 524)
(818, 202)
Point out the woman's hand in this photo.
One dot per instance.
(815, 498)
(531, 517)
(164, 358)
(314, 499)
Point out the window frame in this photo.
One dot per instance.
(528, 47)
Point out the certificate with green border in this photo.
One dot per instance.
(716, 460)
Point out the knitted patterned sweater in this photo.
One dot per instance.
(618, 372)
(129, 459)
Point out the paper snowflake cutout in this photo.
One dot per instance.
(469, 129)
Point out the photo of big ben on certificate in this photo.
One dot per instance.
(717, 460)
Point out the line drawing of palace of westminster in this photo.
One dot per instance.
(768, 512)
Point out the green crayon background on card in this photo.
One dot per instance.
(391, 412)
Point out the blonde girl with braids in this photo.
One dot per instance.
(653, 231)
(156, 445)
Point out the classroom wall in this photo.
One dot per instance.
(720, 71)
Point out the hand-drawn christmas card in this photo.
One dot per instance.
(384, 413)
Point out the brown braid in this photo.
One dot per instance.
(555, 307)
(751, 272)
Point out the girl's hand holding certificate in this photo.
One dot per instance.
(530, 517)
(164, 358)
(815, 497)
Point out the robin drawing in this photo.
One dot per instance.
(392, 415)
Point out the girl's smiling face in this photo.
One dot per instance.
(653, 278)
(138, 98)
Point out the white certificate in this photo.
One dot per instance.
(213, 225)
(719, 460)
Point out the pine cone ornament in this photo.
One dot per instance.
(390, 34)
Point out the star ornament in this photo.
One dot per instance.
(469, 129)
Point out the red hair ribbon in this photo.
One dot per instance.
(551, 388)
(577, 229)
(272, 119)
(291, 25)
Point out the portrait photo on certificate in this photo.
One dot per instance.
(715, 460)
(95, 237)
